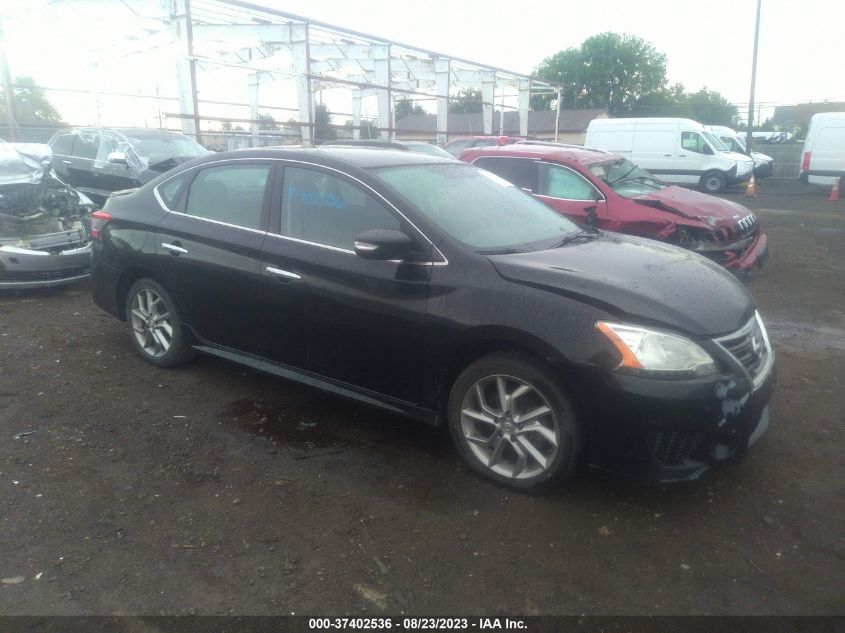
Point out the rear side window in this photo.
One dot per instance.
(324, 209)
(559, 182)
(85, 145)
(522, 172)
(231, 193)
(63, 144)
(485, 142)
(170, 190)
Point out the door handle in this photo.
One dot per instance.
(282, 275)
(67, 162)
(175, 249)
(682, 155)
(668, 155)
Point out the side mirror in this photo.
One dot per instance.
(383, 244)
(117, 158)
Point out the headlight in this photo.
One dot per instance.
(654, 351)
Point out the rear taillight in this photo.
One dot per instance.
(98, 220)
(805, 164)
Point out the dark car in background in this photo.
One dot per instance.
(459, 144)
(609, 192)
(44, 223)
(437, 290)
(97, 161)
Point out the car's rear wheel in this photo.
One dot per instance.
(155, 326)
(513, 423)
(714, 181)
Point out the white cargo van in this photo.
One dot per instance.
(763, 165)
(680, 151)
(823, 158)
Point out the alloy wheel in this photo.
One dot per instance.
(509, 426)
(151, 322)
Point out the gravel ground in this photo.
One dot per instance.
(209, 489)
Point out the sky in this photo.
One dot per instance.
(801, 53)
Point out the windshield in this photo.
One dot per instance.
(479, 209)
(626, 179)
(158, 149)
(715, 142)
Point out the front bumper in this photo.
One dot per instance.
(670, 430)
(742, 256)
(764, 170)
(22, 268)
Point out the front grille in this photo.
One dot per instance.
(673, 448)
(44, 275)
(749, 346)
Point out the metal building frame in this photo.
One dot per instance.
(317, 55)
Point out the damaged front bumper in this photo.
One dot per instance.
(744, 255)
(22, 268)
(668, 431)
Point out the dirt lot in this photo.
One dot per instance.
(210, 489)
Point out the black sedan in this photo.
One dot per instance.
(437, 290)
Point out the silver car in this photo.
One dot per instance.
(44, 223)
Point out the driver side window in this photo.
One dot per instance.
(693, 142)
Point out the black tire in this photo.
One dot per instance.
(517, 370)
(176, 351)
(714, 181)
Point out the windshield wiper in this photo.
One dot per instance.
(576, 237)
(622, 177)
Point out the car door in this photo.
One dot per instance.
(209, 246)
(570, 193)
(111, 176)
(693, 156)
(360, 321)
(62, 147)
(655, 148)
(80, 164)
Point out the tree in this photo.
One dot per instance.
(467, 100)
(711, 108)
(267, 122)
(30, 103)
(368, 129)
(322, 124)
(404, 107)
(608, 70)
(705, 106)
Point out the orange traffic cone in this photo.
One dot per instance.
(834, 193)
(751, 190)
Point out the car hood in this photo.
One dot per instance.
(713, 211)
(640, 280)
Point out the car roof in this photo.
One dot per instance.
(360, 156)
(554, 153)
(133, 132)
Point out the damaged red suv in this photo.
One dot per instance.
(609, 192)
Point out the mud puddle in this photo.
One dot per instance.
(320, 426)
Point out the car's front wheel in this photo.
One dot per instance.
(512, 422)
(155, 325)
(714, 181)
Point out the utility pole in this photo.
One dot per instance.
(748, 134)
(8, 89)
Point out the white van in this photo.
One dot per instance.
(763, 165)
(823, 158)
(679, 151)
